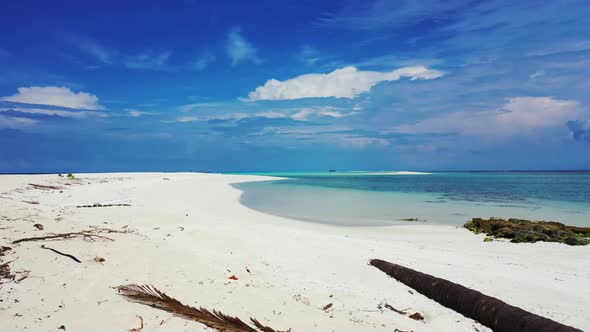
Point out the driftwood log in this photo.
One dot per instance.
(487, 310)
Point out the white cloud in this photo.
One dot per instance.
(202, 61)
(55, 96)
(200, 106)
(299, 114)
(537, 74)
(239, 49)
(308, 55)
(302, 115)
(15, 122)
(189, 118)
(132, 112)
(347, 82)
(148, 60)
(536, 112)
(44, 111)
(93, 48)
(520, 115)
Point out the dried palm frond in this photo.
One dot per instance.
(153, 297)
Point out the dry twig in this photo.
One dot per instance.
(87, 235)
(151, 296)
(61, 253)
(137, 329)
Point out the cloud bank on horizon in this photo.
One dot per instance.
(215, 85)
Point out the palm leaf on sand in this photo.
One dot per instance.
(153, 297)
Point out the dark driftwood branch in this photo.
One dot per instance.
(152, 297)
(401, 312)
(89, 235)
(101, 205)
(44, 187)
(61, 253)
(489, 311)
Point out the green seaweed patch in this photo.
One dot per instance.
(520, 231)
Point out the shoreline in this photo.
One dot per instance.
(296, 267)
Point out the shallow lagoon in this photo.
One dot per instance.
(378, 199)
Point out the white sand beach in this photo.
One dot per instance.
(188, 233)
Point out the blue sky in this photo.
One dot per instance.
(294, 85)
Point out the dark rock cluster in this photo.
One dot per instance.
(520, 230)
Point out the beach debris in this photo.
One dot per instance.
(487, 310)
(32, 202)
(151, 296)
(61, 253)
(99, 259)
(95, 205)
(416, 316)
(327, 307)
(520, 230)
(412, 219)
(4, 249)
(44, 187)
(5, 272)
(233, 277)
(38, 226)
(302, 299)
(137, 329)
(87, 235)
(386, 305)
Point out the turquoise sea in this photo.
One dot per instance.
(451, 198)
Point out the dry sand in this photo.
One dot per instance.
(190, 234)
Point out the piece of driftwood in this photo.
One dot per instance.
(487, 310)
(151, 296)
(44, 187)
(87, 235)
(388, 306)
(61, 253)
(101, 205)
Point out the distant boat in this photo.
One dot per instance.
(331, 170)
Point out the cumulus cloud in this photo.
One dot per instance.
(347, 82)
(520, 115)
(148, 60)
(55, 96)
(536, 112)
(580, 130)
(239, 49)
